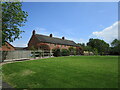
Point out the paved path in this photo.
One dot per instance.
(6, 85)
(22, 60)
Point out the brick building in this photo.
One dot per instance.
(39, 41)
(7, 47)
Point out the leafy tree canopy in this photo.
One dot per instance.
(115, 49)
(101, 46)
(13, 17)
(115, 43)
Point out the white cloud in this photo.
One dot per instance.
(108, 34)
(40, 30)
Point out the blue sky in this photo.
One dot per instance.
(77, 21)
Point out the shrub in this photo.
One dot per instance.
(56, 52)
(79, 51)
(65, 52)
(72, 50)
(43, 46)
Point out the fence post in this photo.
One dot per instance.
(50, 53)
(12, 55)
(34, 54)
(43, 53)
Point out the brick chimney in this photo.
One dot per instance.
(50, 35)
(33, 32)
(63, 38)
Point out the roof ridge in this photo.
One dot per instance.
(54, 37)
(55, 40)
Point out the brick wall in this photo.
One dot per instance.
(7, 47)
(35, 42)
(52, 46)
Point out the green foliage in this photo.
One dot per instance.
(63, 72)
(79, 51)
(101, 46)
(65, 52)
(56, 52)
(72, 50)
(115, 43)
(43, 46)
(13, 17)
(85, 48)
(115, 49)
(88, 48)
(81, 45)
(95, 51)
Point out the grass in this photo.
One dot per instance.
(64, 72)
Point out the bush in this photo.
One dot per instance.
(65, 52)
(72, 50)
(79, 51)
(56, 52)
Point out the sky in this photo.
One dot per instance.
(77, 21)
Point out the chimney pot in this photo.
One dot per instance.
(33, 32)
(50, 35)
(63, 38)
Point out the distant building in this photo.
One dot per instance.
(39, 41)
(7, 47)
(20, 48)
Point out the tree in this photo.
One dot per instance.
(13, 17)
(81, 45)
(115, 49)
(95, 51)
(101, 46)
(88, 48)
(115, 43)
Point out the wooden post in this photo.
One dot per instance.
(43, 53)
(50, 53)
(34, 54)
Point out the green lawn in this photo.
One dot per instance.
(64, 72)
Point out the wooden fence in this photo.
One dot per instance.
(24, 54)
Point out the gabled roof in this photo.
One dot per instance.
(7, 47)
(54, 40)
(20, 48)
(10, 44)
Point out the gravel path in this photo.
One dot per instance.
(6, 85)
(22, 60)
